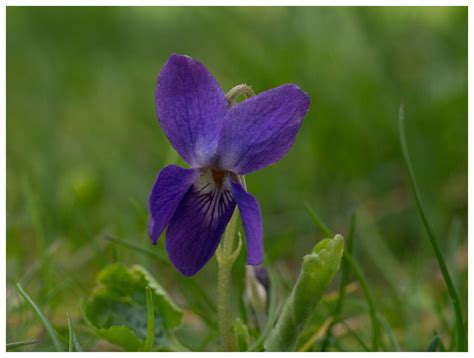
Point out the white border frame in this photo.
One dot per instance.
(213, 3)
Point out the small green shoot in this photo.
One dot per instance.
(318, 270)
(359, 274)
(345, 276)
(150, 321)
(73, 342)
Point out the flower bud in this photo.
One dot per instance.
(257, 286)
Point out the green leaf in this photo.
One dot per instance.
(117, 308)
(319, 268)
(197, 298)
(122, 336)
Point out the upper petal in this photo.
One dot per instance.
(260, 130)
(191, 106)
(169, 188)
(197, 226)
(252, 221)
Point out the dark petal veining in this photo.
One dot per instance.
(197, 204)
(196, 228)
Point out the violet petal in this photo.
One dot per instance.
(169, 188)
(260, 130)
(190, 106)
(252, 221)
(197, 226)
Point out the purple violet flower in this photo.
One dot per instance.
(220, 143)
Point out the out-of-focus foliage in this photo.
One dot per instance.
(84, 147)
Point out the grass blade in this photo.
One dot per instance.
(136, 247)
(47, 325)
(318, 222)
(150, 312)
(390, 334)
(71, 334)
(461, 335)
(317, 335)
(345, 270)
(73, 342)
(14, 345)
(433, 346)
(355, 336)
(359, 274)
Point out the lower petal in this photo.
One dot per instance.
(252, 221)
(196, 228)
(170, 186)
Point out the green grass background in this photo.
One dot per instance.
(84, 147)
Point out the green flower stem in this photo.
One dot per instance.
(225, 260)
(226, 255)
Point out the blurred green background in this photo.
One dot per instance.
(84, 148)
